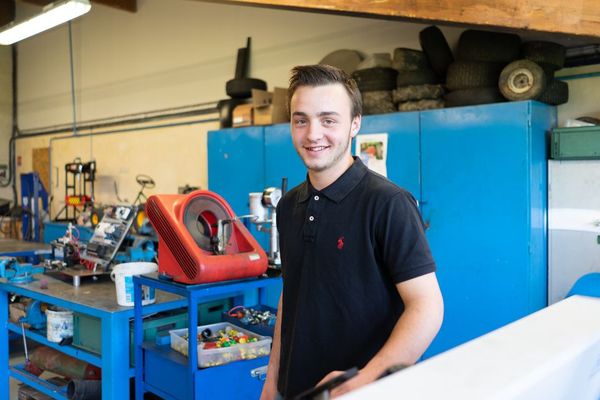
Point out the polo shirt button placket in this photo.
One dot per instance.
(311, 218)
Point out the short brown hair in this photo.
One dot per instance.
(320, 75)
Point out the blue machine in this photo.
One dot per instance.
(32, 192)
(16, 272)
(141, 250)
(587, 285)
(479, 174)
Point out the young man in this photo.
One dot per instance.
(359, 284)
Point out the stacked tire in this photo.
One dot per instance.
(532, 76)
(376, 80)
(417, 85)
(481, 56)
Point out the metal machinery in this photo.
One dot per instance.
(263, 213)
(32, 193)
(78, 176)
(16, 272)
(201, 240)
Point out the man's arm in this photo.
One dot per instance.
(413, 333)
(269, 391)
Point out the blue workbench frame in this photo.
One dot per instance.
(193, 295)
(116, 370)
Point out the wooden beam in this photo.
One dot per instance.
(125, 5)
(571, 17)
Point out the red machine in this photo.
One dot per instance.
(201, 240)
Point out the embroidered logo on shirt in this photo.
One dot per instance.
(340, 243)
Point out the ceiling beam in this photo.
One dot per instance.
(125, 5)
(572, 17)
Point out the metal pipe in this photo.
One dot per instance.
(72, 80)
(178, 112)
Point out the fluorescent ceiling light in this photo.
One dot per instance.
(52, 15)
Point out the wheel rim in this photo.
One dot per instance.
(520, 80)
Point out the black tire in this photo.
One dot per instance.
(436, 50)
(549, 53)
(420, 77)
(556, 93)
(549, 71)
(471, 74)
(475, 45)
(375, 79)
(522, 80)
(242, 88)
(409, 59)
(420, 105)
(417, 92)
(474, 96)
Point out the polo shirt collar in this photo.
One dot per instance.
(339, 189)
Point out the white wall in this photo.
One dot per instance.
(179, 52)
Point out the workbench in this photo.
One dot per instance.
(95, 299)
(20, 248)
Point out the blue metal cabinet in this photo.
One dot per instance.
(236, 165)
(403, 163)
(484, 200)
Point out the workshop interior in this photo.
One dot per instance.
(145, 146)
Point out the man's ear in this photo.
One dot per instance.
(355, 126)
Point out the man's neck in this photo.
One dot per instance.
(321, 179)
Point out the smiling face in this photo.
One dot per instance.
(322, 130)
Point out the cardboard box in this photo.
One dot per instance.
(270, 107)
(242, 115)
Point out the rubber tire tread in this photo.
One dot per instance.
(242, 88)
(471, 74)
(556, 93)
(474, 96)
(420, 77)
(539, 80)
(409, 59)
(476, 45)
(550, 53)
(375, 79)
(436, 48)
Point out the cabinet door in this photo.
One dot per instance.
(281, 159)
(477, 177)
(403, 147)
(236, 165)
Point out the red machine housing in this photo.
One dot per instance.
(179, 254)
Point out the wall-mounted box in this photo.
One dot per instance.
(579, 143)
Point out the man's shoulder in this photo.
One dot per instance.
(291, 195)
(381, 187)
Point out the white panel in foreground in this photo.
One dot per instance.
(551, 354)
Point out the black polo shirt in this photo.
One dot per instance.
(343, 250)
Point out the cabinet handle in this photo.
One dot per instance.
(259, 373)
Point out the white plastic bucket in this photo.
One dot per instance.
(59, 324)
(122, 275)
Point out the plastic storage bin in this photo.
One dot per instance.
(218, 356)
(262, 328)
